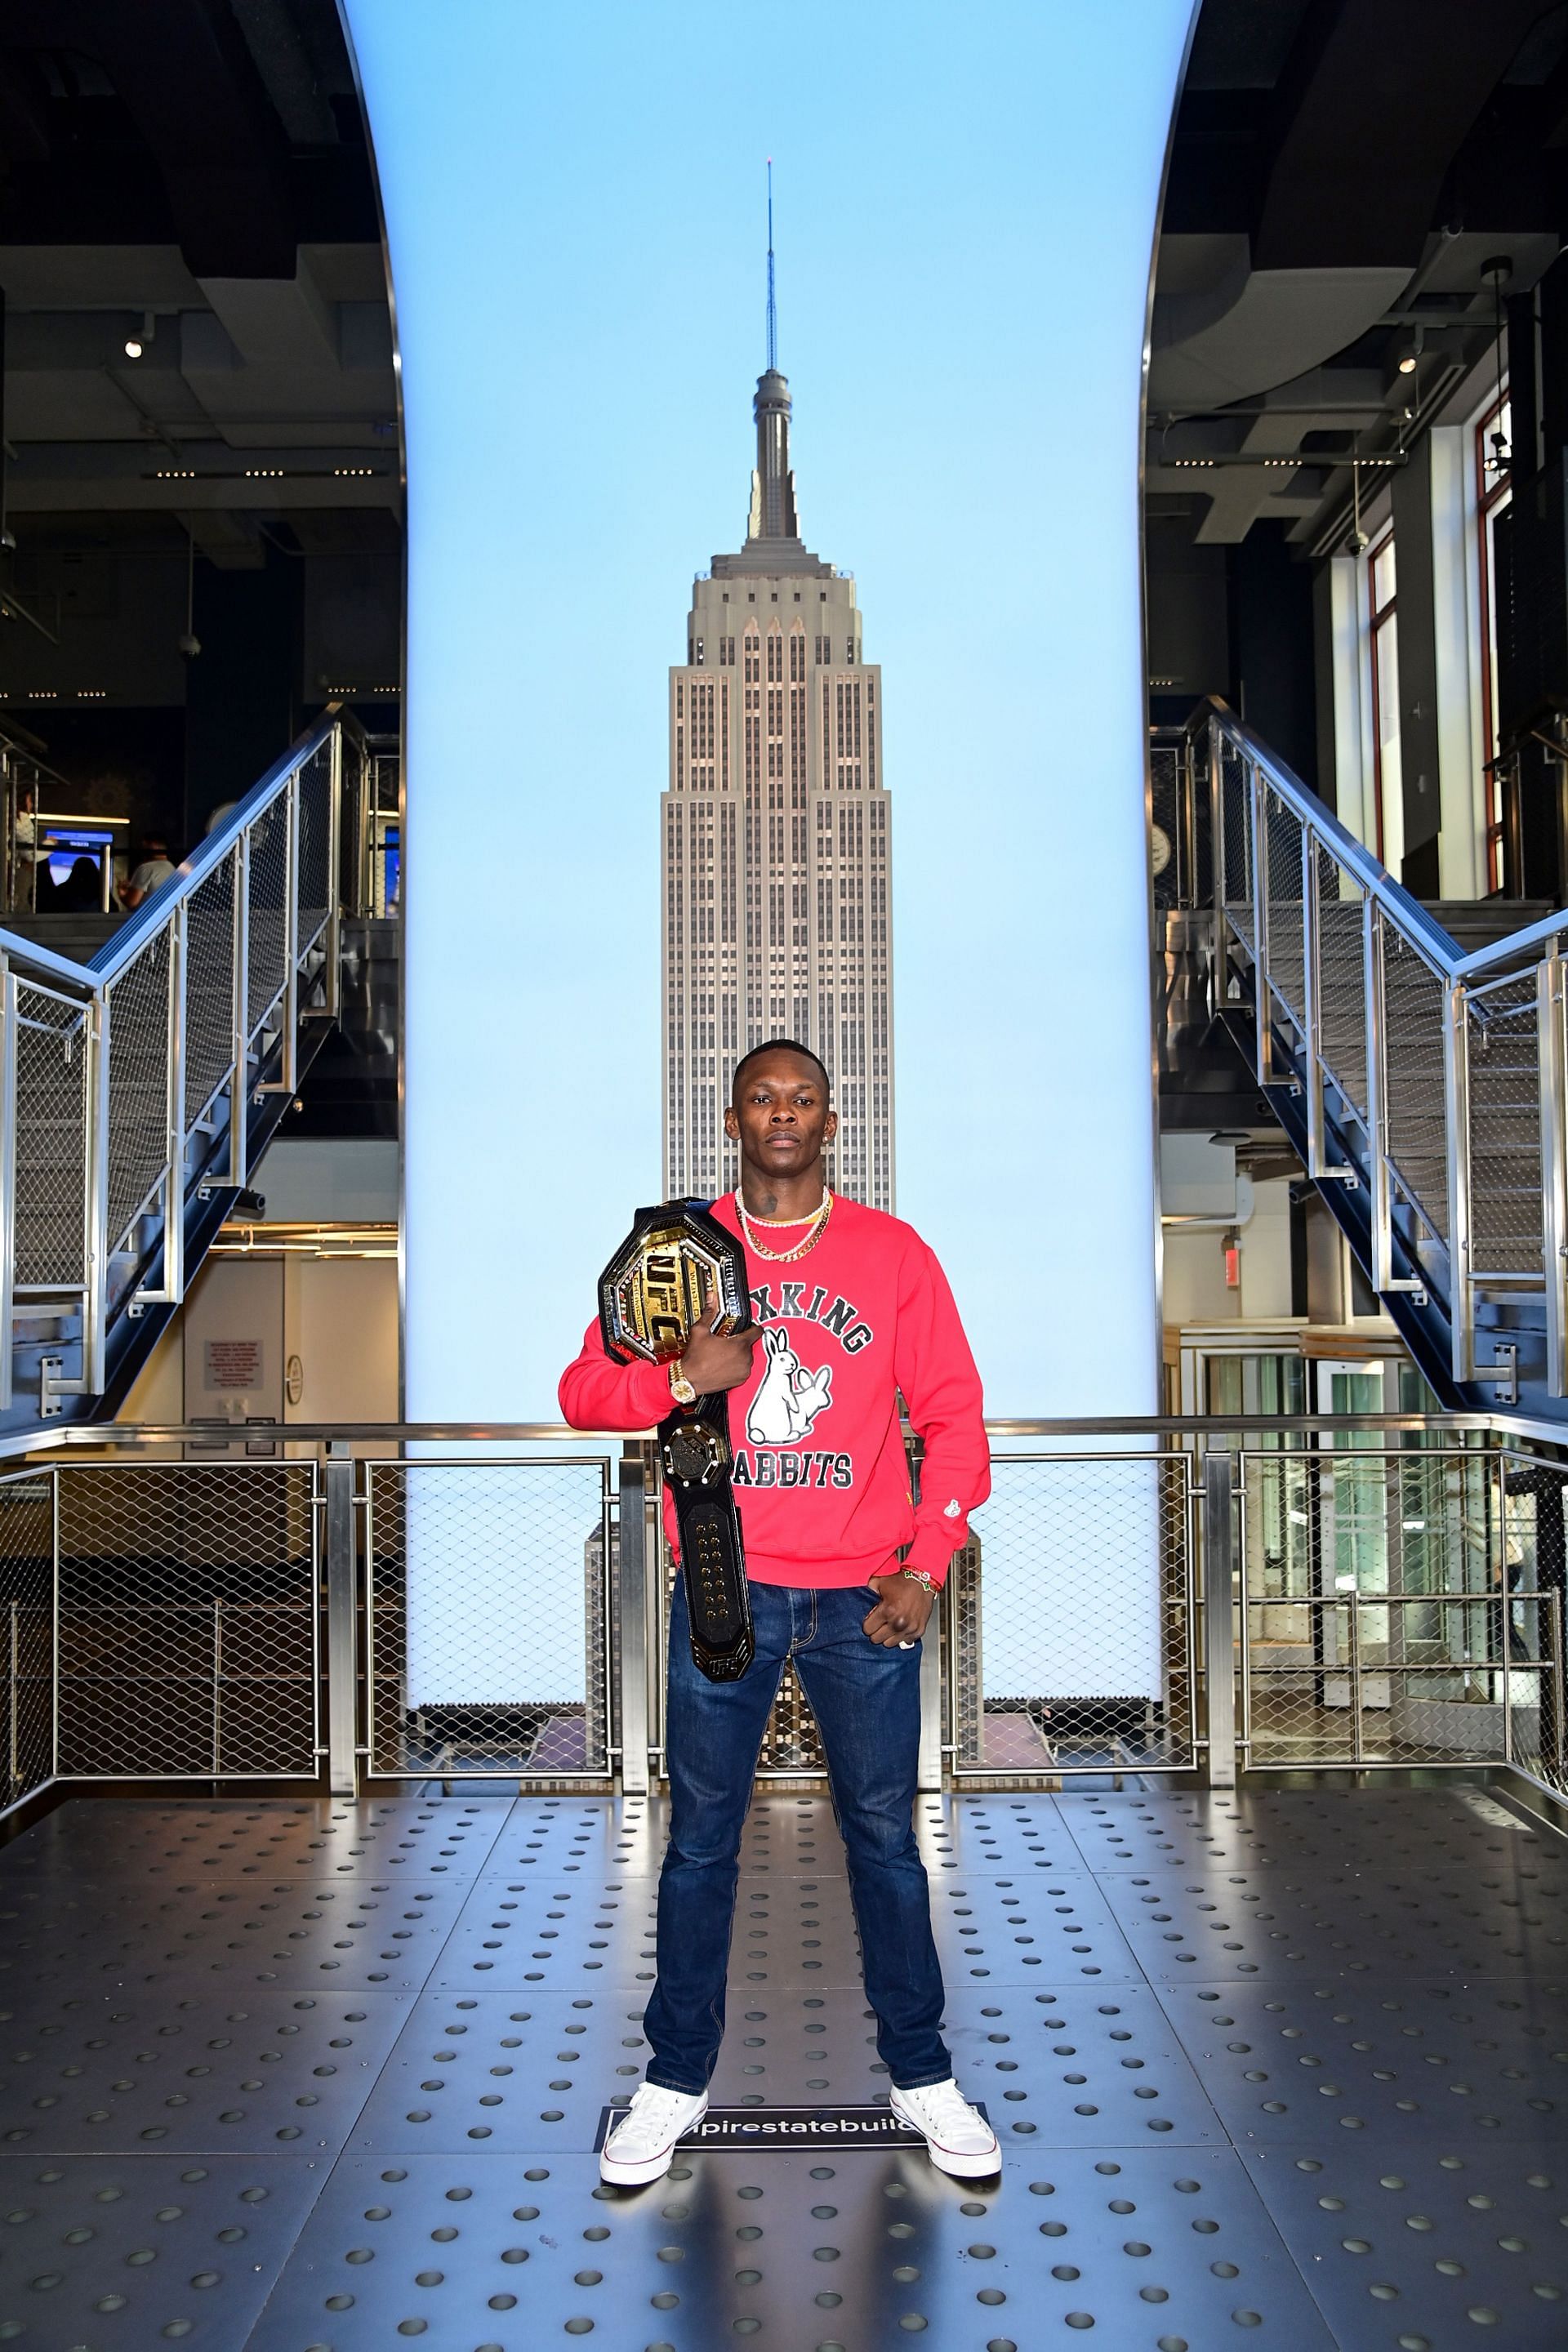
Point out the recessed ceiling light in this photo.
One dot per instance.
(132, 347)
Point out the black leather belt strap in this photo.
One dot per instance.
(695, 1445)
(676, 1261)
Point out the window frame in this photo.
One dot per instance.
(1378, 619)
(1492, 497)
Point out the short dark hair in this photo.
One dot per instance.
(779, 1045)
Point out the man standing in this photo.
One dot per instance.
(852, 1311)
(155, 869)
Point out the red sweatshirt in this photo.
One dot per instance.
(820, 1474)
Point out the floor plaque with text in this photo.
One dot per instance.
(758, 2127)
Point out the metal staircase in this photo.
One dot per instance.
(138, 1089)
(1424, 1082)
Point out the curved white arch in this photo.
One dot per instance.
(531, 1088)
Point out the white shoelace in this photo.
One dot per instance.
(947, 2103)
(653, 2104)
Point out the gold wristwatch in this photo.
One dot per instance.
(680, 1387)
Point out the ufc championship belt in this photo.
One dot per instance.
(650, 1297)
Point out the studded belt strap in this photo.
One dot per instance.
(694, 1447)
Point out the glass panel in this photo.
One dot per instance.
(1383, 580)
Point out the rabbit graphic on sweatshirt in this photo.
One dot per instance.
(788, 1399)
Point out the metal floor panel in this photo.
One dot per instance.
(994, 1834)
(424, 1836)
(214, 1935)
(553, 1932)
(1422, 2244)
(1488, 2059)
(1053, 1928)
(860, 2254)
(1407, 1941)
(171, 2069)
(592, 1833)
(1332, 1829)
(1095, 2070)
(119, 2254)
(1082, 2067)
(1273, 1923)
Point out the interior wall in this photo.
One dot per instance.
(341, 1329)
(278, 1339)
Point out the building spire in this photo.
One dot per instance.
(772, 515)
(773, 308)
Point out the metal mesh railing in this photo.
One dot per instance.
(1385, 1602)
(53, 1062)
(1463, 1052)
(267, 914)
(315, 857)
(138, 1024)
(1069, 1632)
(488, 1616)
(1414, 1002)
(1503, 1044)
(1341, 979)
(114, 1073)
(209, 987)
(26, 1631)
(1397, 1610)
(1236, 836)
(1283, 872)
(187, 1629)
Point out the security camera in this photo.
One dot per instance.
(1359, 542)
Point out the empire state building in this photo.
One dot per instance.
(776, 842)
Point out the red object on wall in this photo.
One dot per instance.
(1233, 1265)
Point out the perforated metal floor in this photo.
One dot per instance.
(290, 2078)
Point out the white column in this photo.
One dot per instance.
(1351, 659)
(1457, 632)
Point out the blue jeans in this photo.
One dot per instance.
(867, 1703)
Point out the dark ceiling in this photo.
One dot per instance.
(190, 177)
(1343, 174)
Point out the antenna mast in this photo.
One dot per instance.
(773, 312)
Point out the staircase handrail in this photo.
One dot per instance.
(159, 910)
(1437, 1079)
(134, 1083)
(1416, 922)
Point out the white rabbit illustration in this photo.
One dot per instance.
(789, 1398)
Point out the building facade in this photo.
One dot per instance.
(776, 842)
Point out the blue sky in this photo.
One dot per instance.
(964, 203)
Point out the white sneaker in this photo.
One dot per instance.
(642, 2143)
(957, 2136)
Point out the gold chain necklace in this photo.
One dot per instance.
(818, 1222)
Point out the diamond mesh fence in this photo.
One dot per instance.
(1235, 835)
(1342, 979)
(209, 987)
(267, 968)
(315, 845)
(27, 1630)
(1165, 812)
(138, 1085)
(188, 1620)
(1507, 1175)
(1413, 1006)
(1069, 1632)
(53, 1064)
(1376, 1611)
(1283, 873)
(1532, 1559)
(488, 1617)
